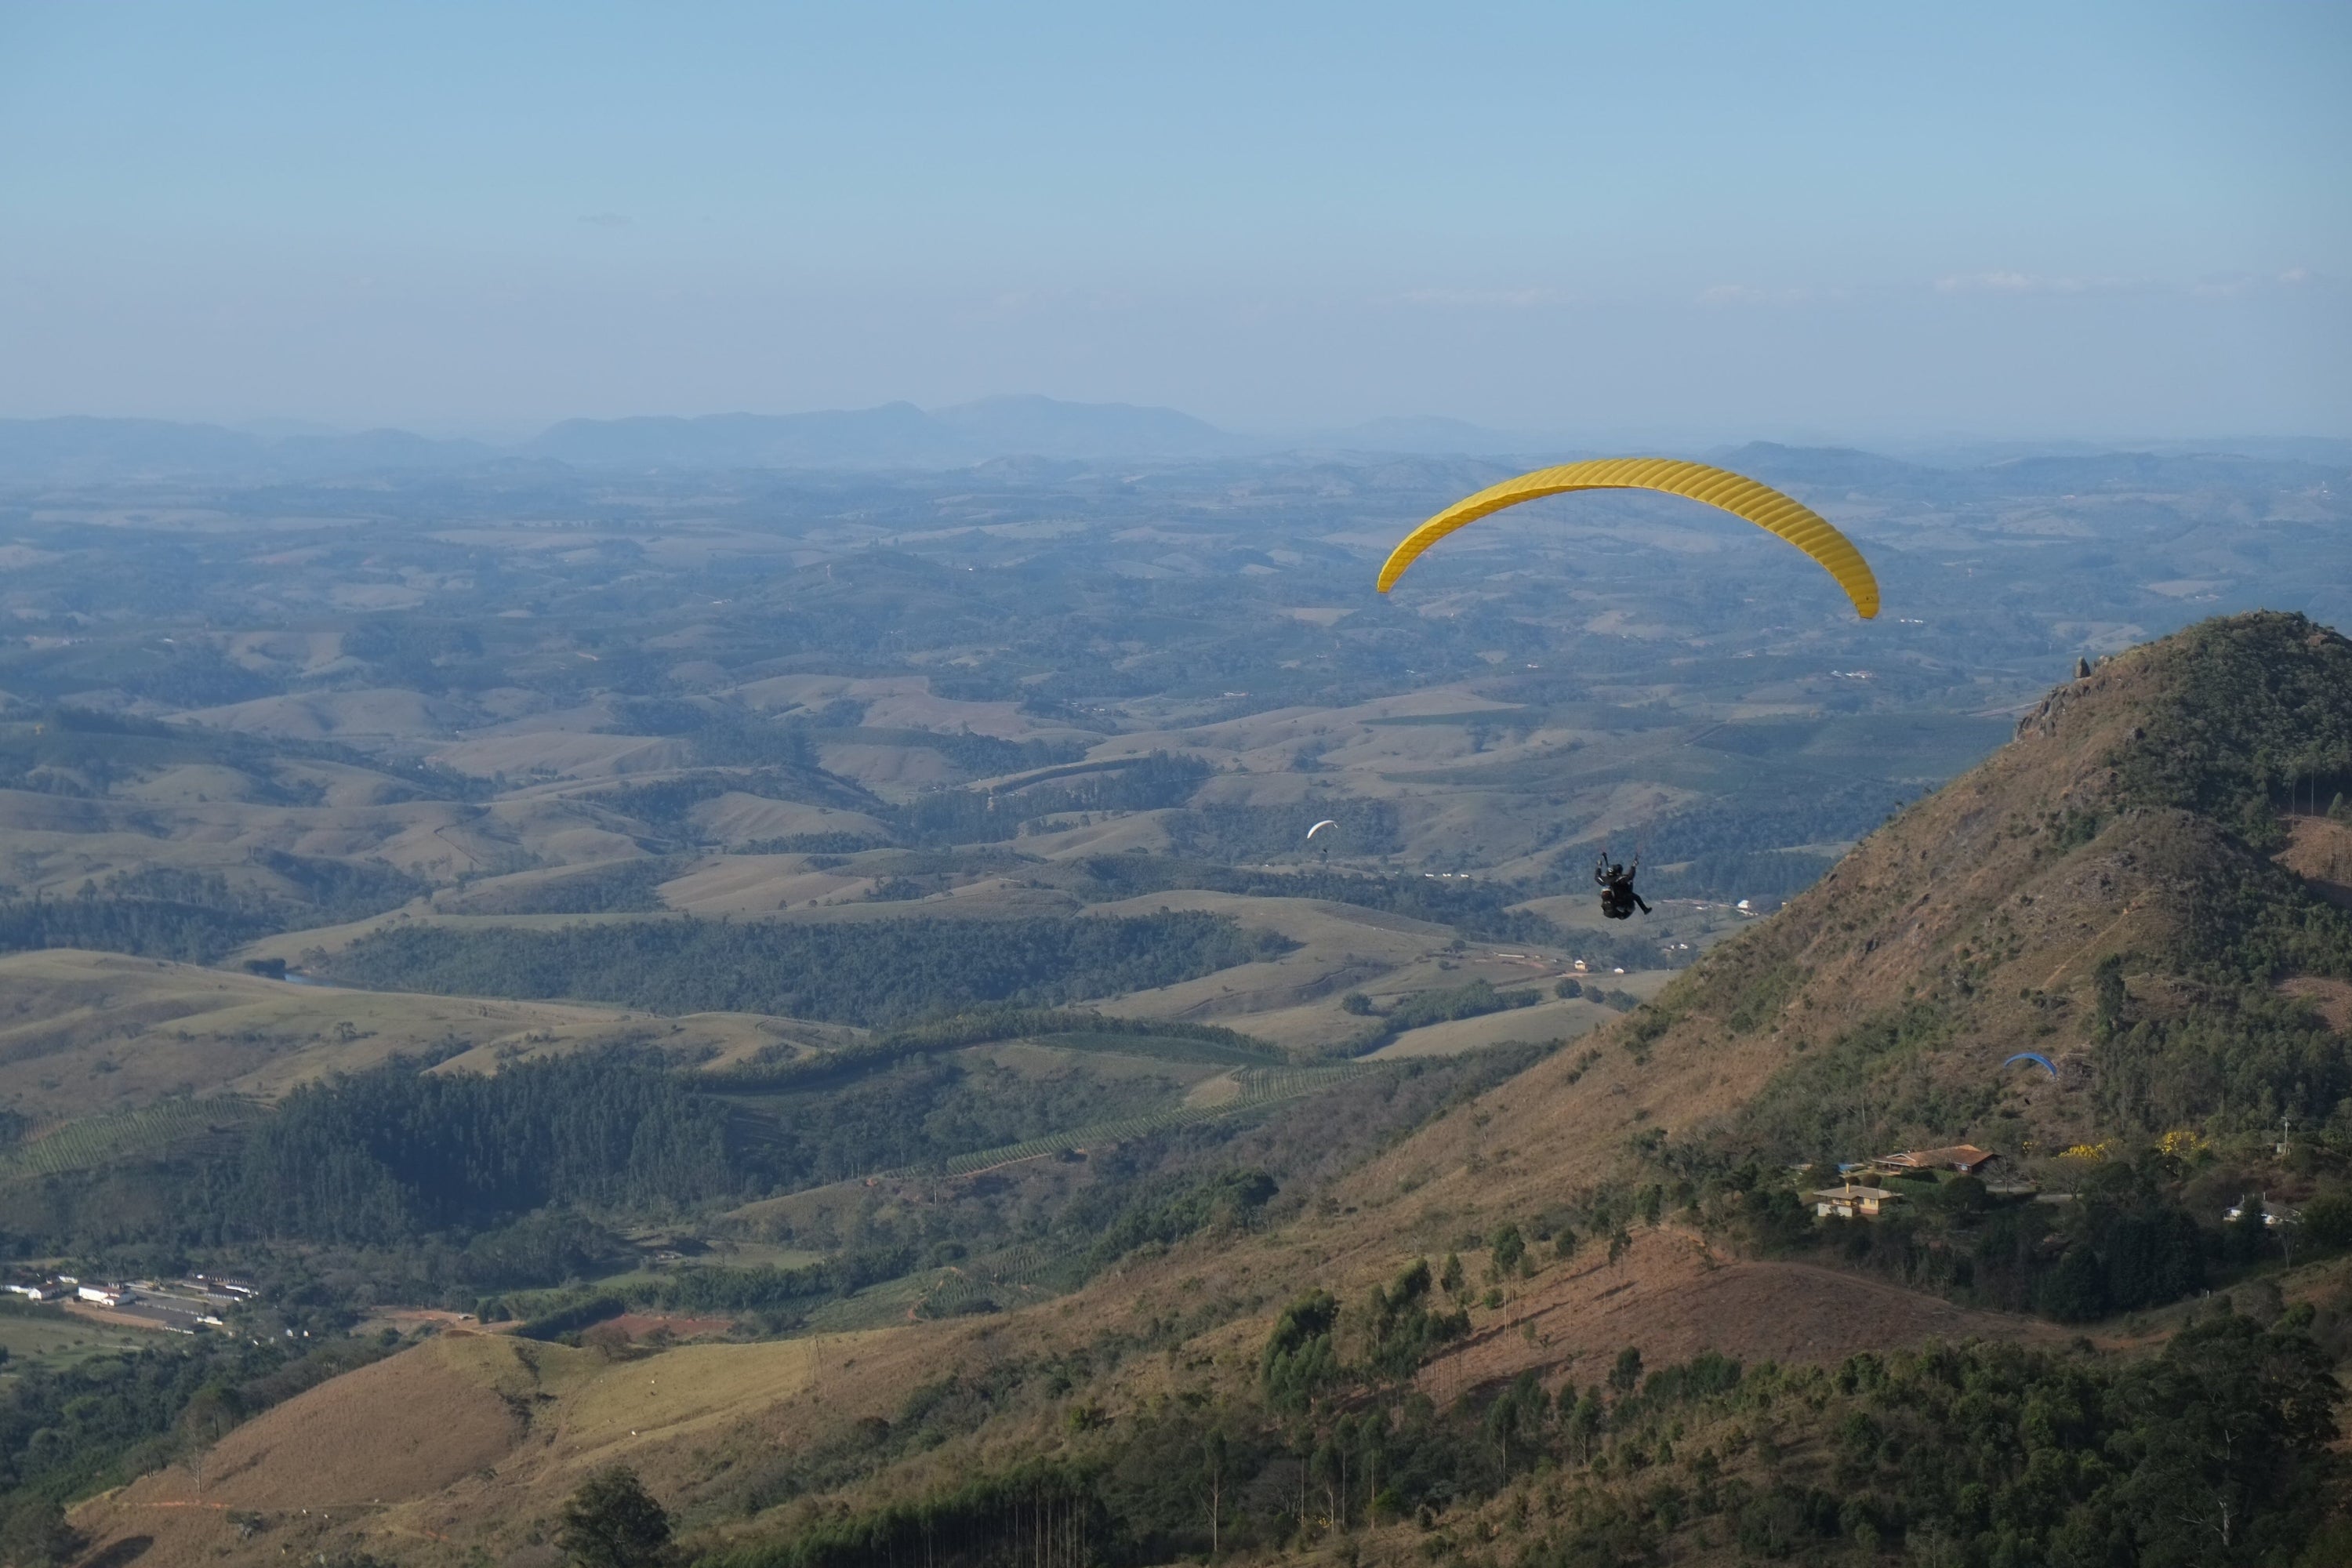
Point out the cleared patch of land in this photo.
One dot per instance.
(1671, 1296)
(1564, 1019)
(53, 1340)
(2320, 852)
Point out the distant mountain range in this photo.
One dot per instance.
(895, 435)
(901, 435)
(892, 436)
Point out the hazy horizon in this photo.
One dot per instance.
(2111, 224)
(1402, 435)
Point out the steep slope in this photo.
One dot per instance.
(2101, 890)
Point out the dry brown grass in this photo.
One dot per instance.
(637, 1325)
(1671, 1295)
(2320, 852)
(1547, 1020)
(2332, 997)
(162, 1029)
(56, 844)
(1293, 999)
(475, 1440)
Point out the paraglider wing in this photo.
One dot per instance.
(2036, 1058)
(1326, 821)
(1760, 504)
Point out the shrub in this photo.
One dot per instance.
(611, 1521)
(2327, 1220)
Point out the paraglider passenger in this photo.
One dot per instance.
(1617, 898)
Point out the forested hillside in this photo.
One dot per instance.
(868, 972)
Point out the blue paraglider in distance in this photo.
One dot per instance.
(2036, 1058)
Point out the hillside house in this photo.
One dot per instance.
(1851, 1201)
(1965, 1158)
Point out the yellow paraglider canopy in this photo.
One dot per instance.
(1765, 507)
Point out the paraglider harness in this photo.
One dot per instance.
(1617, 898)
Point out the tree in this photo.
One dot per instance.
(215, 1409)
(2076, 1290)
(1582, 1418)
(2327, 1220)
(34, 1533)
(1299, 1358)
(1505, 1248)
(1777, 1216)
(609, 1339)
(1450, 1279)
(1626, 1375)
(2247, 1239)
(1327, 1464)
(1216, 1458)
(2228, 1429)
(1964, 1196)
(1515, 1422)
(2109, 996)
(2152, 1257)
(611, 1521)
(1371, 1441)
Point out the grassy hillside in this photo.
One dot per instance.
(1585, 1317)
(2100, 891)
(2058, 899)
(82, 1032)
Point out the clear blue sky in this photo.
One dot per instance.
(1865, 222)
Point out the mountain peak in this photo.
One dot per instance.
(2117, 890)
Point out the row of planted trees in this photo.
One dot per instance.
(1368, 1444)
